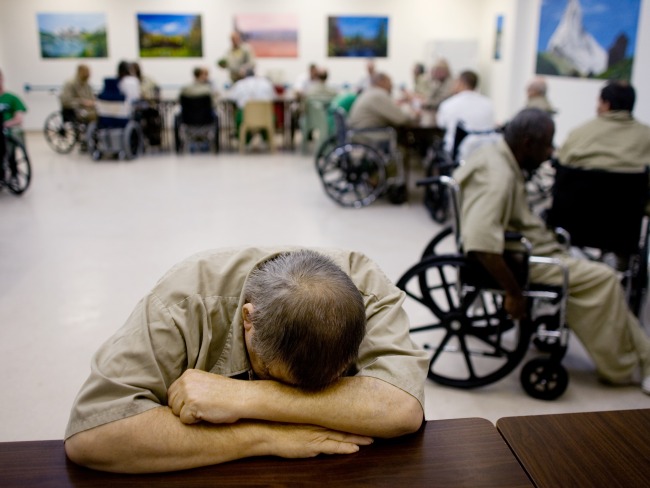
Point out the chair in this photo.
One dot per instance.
(315, 119)
(258, 115)
(196, 122)
(605, 211)
(473, 341)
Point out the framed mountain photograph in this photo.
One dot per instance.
(588, 38)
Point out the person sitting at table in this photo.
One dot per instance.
(366, 81)
(467, 106)
(199, 88)
(375, 108)
(245, 352)
(440, 85)
(319, 89)
(493, 201)
(251, 87)
(77, 97)
(149, 89)
(536, 95)
(128, 83)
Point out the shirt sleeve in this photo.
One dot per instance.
(387, 352)
(132, 371)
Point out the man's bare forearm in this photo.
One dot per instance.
(157, 441)
(361, 405)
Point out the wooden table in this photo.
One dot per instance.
(454, 453)
(599, 449)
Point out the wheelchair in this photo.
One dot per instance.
(473, 341)
(15, 169)
(115, 132)
(603, 212)
(354, 174)
(63, 129)
(196, 125)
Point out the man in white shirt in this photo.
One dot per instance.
(252, 87)
(474, 110)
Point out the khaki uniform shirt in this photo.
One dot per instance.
(239, 59)
(493, 201)
(439, 91)
(375, 108)
(542, 103)
(614, 141)
(193, 319)
(74, 92)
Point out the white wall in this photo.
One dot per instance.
(414, 25)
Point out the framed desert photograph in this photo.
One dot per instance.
(72, 35)
(170, 35)
(588, 38)
(365, 37)
(269, 35)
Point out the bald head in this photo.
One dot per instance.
(530, 137)
(537, 87)
(382, 80)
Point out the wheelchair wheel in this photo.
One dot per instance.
(92, 141)
(436, 196)
(323, 151)
(473, 342)
(544, 379)
(16, 169)
(59, 134)
(133, 141)
(430, 248)
(354, 175)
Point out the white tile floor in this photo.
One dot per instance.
(88, 239)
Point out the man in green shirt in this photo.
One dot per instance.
(14, 110)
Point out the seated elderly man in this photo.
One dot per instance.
(614, 140)
(536, 95)
(375, 108)
(77, 97)
(252, 352)
(474, 110)
(492, 183)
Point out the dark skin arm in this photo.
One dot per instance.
(515, 302)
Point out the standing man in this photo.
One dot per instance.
(493, 196)
(252, 352)
(77, 97)
(468, 106)
(239, 58)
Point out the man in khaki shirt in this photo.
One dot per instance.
(320, 335)
(493, 201)
(614, 139)
(77, 96)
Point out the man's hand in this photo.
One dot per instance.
(302, 441)
(199, 395)
(515, 305)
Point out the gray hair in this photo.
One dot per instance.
(308, 315)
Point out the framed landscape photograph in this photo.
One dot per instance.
(588, 38)
(72, 35)
(269, 35)
(362, 37)
(170, 35)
